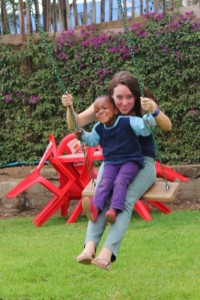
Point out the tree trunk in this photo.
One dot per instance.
(54, 16)
(76, 23)
(60, 10)
(110, 10)
(63, 14)
(85, 12)
(45, 18)
(14, 17)
(125, 9)
(37, 11)
(147, 7)
(133, 8)
(93, 11)
(21, 17)
(156, 6)
(48, 16)
(28, 19)
(5, 23)
(68, 15)
(102, 10)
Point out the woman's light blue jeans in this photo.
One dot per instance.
(117, 230)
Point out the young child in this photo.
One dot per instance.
(117, 135)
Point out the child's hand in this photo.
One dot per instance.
(67, 100)
(78, 134)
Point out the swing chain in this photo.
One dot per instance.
(160, 160)
(41, 33)
(57, 74)
(138, 75)
(130, 46)
(50, 56)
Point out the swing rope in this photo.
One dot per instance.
(60, 81)
(138, 75)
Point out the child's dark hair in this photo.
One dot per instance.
(106, 96)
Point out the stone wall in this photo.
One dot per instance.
(188, 196)
(34, 198)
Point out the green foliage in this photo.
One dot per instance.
(167, 53)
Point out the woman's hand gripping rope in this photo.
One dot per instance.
(148, 104)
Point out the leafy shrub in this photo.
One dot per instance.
(167, 53)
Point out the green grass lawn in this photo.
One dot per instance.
(157, 260)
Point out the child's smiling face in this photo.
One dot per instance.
(105, 111)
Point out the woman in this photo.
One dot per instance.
(124, 90)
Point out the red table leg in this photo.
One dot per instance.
(141, 209)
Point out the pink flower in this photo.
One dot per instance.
(8, 98)
(33, 100)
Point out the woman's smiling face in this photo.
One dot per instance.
(124, 99)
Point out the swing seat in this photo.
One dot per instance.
(155, 196)
(157, 192)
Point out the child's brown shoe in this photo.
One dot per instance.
(90, 210)
(110, 216)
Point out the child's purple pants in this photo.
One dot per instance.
(116, 177)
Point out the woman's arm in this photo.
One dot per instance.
(82, 119)
(162, 120)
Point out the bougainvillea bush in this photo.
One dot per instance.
(167, 52)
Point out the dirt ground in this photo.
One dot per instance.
(5, 214)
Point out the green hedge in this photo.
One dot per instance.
(167, 51)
